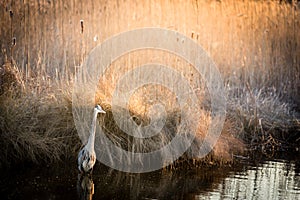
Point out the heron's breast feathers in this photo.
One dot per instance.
(86, 160)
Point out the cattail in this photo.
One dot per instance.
(13, 43)
(81, 24)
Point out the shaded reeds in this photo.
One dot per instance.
(266, 121)
(36, 127)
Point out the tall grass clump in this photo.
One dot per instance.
(268, 122)
(36, 124)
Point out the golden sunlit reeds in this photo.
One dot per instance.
(255, 45)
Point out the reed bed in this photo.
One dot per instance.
(36, 126)
(255, 45)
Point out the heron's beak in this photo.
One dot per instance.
(102, 111)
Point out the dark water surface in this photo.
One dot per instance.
(260, 179)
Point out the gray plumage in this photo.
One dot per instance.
(87, 155)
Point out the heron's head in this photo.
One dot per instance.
(98, 109)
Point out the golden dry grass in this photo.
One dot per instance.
(36, 127)
(255, 44)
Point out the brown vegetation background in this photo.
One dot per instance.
(255, 42)
(255, 45)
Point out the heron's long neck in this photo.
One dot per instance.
(91, 141)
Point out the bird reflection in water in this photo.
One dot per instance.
(85, 186)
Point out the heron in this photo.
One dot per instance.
(87, 155)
